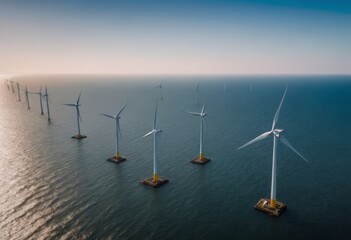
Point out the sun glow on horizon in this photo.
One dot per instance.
(232, 38)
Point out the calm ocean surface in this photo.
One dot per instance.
(55, 187)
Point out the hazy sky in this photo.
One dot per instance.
(175, 37)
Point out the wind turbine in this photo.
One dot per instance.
(46, 96)
(7, 84)
(18, 91)
(197, 94)
(12, 88)
(117, 158)
(155, 181)
(201, 159)
(161, 89)
(274, 207)
(40, 98)
(77, 105)
(27, 97)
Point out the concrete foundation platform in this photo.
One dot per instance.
(150, 183)
(115, 159)
(263, 205)
(200, 161)
(79, 137)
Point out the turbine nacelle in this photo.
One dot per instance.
(157, 131)
(277, 132)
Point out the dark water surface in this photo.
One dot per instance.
(55, 187)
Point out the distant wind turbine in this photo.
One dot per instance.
(12, 88)
(18, 91)
(275, 207)
(161, 89)
(155, 181)
(27, 97)
(7, 84)
(40, 99)
(46, 96)
(201, 159)
(117, 158)
(77, 105)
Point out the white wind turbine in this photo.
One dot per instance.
(155, 181)
(277, 135)
(46, 96)
(77, 105)
(117, 158)
(7, 84)
(202, 115)
(12, 88)
(27, 97)
(161, 89)
(18, 91)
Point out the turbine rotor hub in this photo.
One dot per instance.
(277, 132)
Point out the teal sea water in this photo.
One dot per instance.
(55, 187)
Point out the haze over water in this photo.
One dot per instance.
(55, 187)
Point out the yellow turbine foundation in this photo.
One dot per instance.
(201, 159)
(272, 203)
(271, 206)
(155, 177)
(154, 182)
(117, 158)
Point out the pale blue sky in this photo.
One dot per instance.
(175, 37)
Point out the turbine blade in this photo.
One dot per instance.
(106, 115)
(194, 113)
(79, 114)
(204, 122)
(121, 110)
(259, 138)
(203, 109)
(149, 133)
(155, 115)
(79, 98)
(286, 143)
(276, 116)
(70, 104)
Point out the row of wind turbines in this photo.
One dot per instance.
(270, 206)
(42, 95)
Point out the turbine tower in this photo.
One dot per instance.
(155, 181)
(117, 158)
(7, 84)
(40, 99)
(18, 91)
(272, 206)
(12, 88)
(77, 105)
(27, 97)
(161, 89)
(201, 159)
(46, 96)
